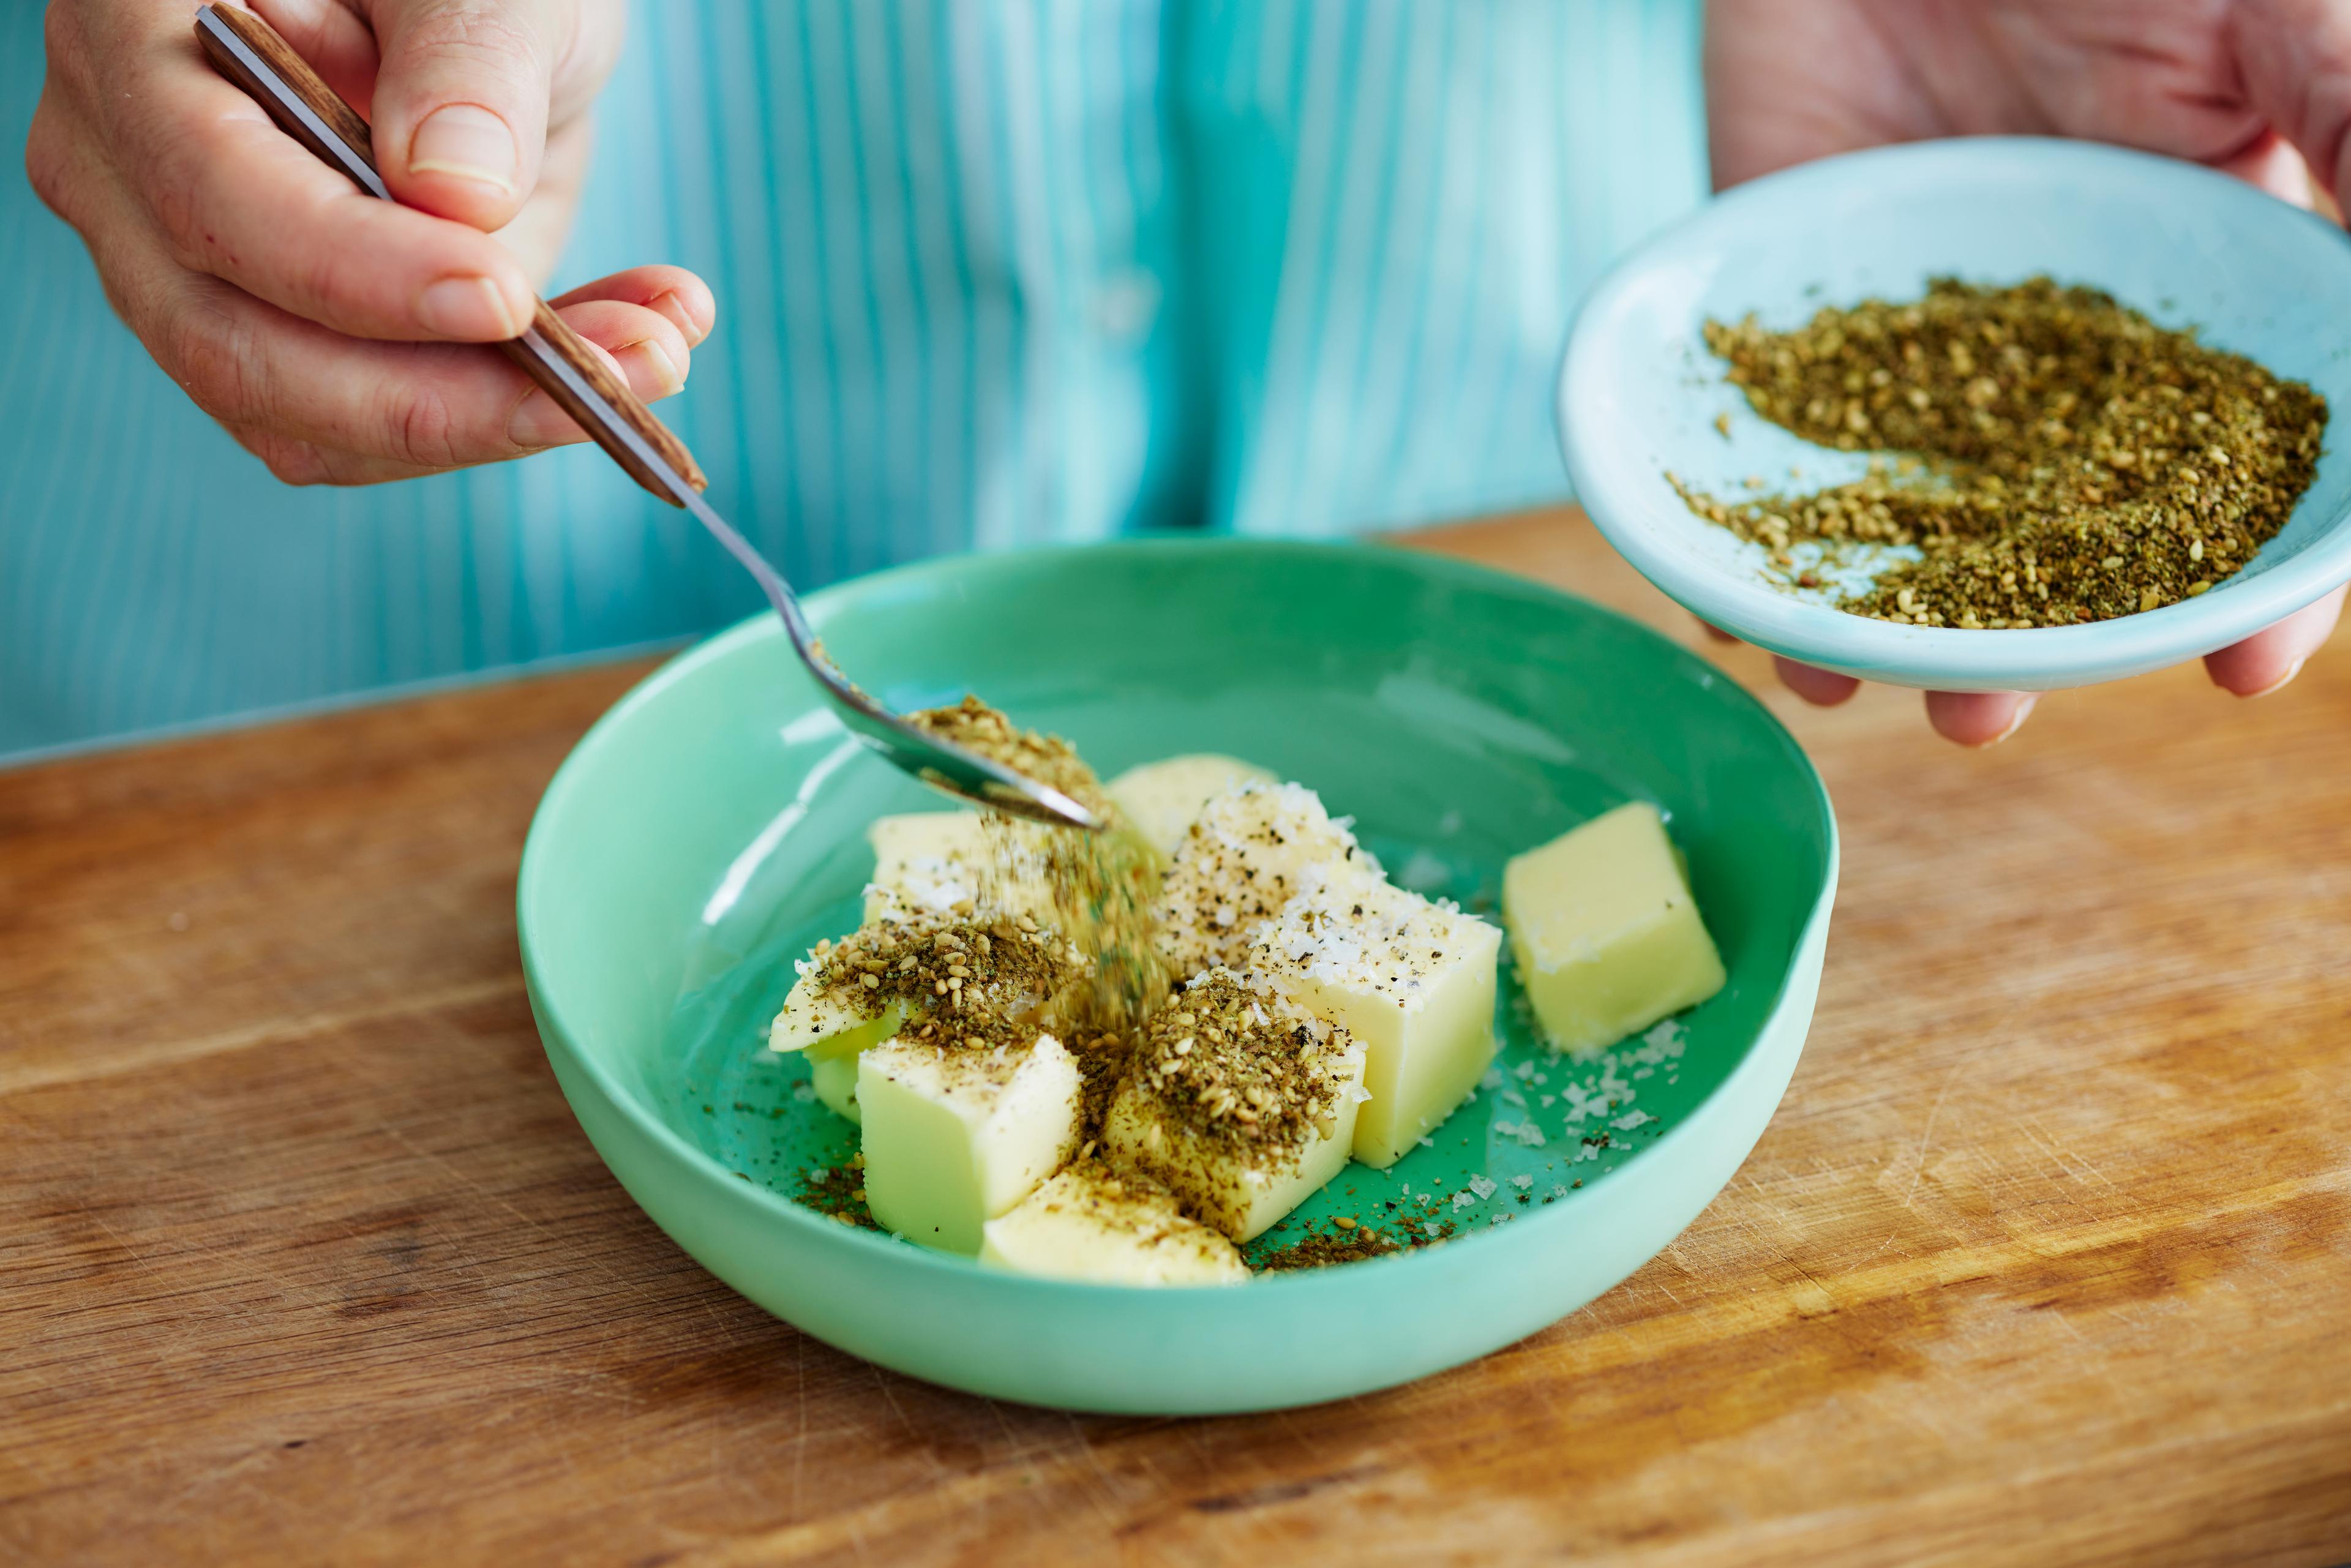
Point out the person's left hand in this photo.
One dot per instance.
(2261, 88)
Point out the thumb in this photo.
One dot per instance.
(461, 101)
(2295, 56)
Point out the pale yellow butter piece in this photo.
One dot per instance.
(954, 1138)
(818, 1022)
(1162, 800)
(1606, 933)
(1412, 980)
(1223, 1170)
(1109, 1229)
(835, 1079)
(926, 862)
(1247, 853)
(830, 1035)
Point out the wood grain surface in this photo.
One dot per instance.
(2046, 1259)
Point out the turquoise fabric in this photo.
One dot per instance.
(989, 272)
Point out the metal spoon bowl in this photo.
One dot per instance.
(955, 769)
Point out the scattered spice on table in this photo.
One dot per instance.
(2057, 456)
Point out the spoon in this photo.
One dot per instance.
(250, 53)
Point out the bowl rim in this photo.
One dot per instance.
(812, 1229)
(1616, 491)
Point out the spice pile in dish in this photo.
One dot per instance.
(1115, 1056)
(2060, 458)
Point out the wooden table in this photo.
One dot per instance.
(2047, 1257)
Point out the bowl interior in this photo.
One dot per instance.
(711, 828)
(1640, 394)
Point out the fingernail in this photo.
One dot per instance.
(649, 363)
(470, 310)
(670, 305)
(465, 142)
(2023, 711)
(2290, 670)
(538, 422)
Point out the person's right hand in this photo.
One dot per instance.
(330, 332)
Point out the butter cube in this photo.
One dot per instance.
(835, 1079)
(953, 1138)
(1239, 1101)
(1606, 936)
(1162, 800)
(928, 963)
(1109, 1227)
(925, 863)
(831, 1034)
(819, 1022)
(1412, 980)
(1247, 854)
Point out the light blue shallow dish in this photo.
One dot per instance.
(1639, 394)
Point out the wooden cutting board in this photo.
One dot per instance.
(2046, 1259)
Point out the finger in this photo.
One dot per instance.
(533, 425)
(237, 198)
(2271, 164)
(425, 406)
(1714, 632)
(1979, 718)
(461, 101)
(339, 45)
(540, 230)
(2270, 658)
(2296, 59)
(673, 291)
(294, 461)
(649, 351)
(1822, 688)
(421, 406)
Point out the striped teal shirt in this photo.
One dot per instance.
(989, 272)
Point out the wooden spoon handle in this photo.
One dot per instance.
(250, 52)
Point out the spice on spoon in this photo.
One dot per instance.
(2060, 458)
(1104, 885)
(1047, 758)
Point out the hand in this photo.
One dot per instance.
(328, 332)
(2259, 87)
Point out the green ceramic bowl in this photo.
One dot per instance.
(708, 828)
